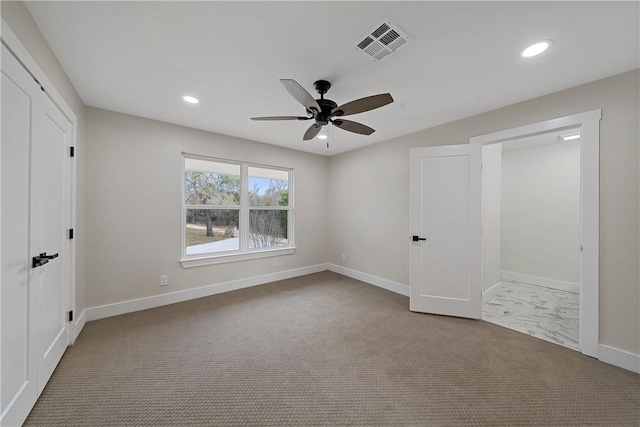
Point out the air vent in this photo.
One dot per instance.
(382, 40)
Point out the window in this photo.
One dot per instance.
(268, 194)
(234, 210)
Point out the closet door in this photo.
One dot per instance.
(20, 94)
(50, 206)
(35, 200)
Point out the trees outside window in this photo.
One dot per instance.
(234, 207)
(268, 207)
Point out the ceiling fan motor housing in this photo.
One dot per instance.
(327, 105)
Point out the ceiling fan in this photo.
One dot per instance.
(325, 111)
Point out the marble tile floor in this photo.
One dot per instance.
(545, 313)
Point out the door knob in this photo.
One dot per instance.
(416, 238)
(42, 259)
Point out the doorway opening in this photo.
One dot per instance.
(540, 218)
(531, 235)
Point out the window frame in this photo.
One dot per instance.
(244, 252)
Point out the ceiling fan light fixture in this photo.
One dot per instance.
(324, 133)
(536, 49)
(190, 99)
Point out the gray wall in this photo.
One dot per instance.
(541, 211)
(134, 207)
(16, 15)
(369, 195)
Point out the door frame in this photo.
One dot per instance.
(589, 124)
(11, 41)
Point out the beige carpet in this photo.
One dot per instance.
(324, 350)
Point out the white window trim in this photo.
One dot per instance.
(236, 256)
(244, 253)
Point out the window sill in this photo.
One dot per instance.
(220, 259)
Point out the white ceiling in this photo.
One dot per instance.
(140, 58)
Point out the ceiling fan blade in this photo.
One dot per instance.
(311, 133)
(354, 127)
(281, 118)
(363, 104)
(300, 94)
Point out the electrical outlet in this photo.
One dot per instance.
(164, 280)
(275, 262)
(344, 258)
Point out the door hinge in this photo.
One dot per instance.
(71, 233)
(72, 151)
(71, 316)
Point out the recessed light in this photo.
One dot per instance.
(190, 99)
(569, 137)
(536, 49)
(322, 136)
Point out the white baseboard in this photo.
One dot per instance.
(389, 285)
(79, 324)
(491, 292)
(115, 309)
(541, 281)
(620, 358)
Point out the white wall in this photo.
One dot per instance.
(134, 208)
(541, 211)
(369, 195)
(491, 214)
(16, 15)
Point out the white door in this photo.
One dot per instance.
(35, 214)
(19, 373)
(446, 210)
(50, 221)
